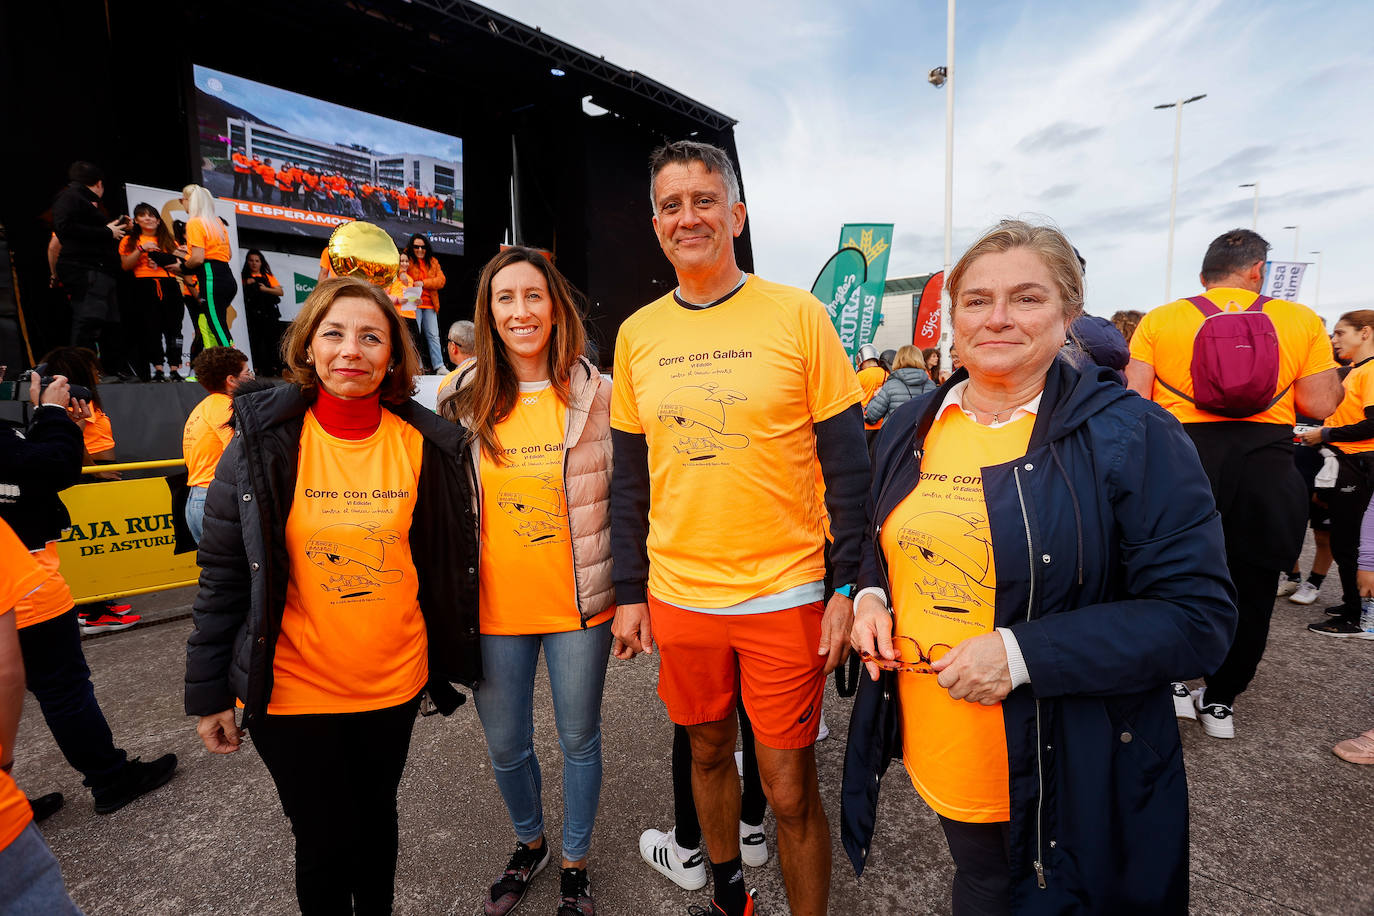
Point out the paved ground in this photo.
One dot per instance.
(1279, 824)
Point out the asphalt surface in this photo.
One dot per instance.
(1279, 824)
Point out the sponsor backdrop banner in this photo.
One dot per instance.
(297, 275)
(1283, 279)
(168, 203)
(925, 313)
(839, 286)
(122, 539)
(875, 241)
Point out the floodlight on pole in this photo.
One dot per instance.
(943, 78)
(1254, 219)
(1173, 193)
(1297, 234)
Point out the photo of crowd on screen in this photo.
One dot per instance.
(295, 164)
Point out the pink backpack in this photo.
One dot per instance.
(1235, 365)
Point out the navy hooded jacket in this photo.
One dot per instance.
(1111, 572)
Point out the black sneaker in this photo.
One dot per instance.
(173, 376)
(510, 888)
(159, 377)
(45, 806)
(136, 779)
(576, 894)
(1339, 627)
(1343, 610)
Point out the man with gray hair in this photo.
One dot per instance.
(727, 391)
(462, 337)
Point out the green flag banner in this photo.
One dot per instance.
(864, 308)
(839, 286)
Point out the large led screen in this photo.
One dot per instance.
(299, 165)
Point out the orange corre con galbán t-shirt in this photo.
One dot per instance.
(21, 576)
(205, 437)
(526, 569)
(352, 635)
(938, 548)
(214, 239)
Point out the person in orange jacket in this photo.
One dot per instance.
(243, 171)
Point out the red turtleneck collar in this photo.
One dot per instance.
(348, 419)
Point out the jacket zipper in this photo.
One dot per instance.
(577, 598)
(1039, 863)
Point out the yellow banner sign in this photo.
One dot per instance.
(121, 540)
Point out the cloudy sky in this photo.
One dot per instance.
(320, 120)
(1054, 119)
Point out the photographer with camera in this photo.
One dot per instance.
(35, 464)
(88, 263)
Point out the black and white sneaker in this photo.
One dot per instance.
(753, 845)
(1217, 720)
(1183, 701)
(1340, 627)
(660, 850)
(510, 888)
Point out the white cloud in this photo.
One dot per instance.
(1054, 116)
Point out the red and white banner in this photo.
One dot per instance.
(925, 319)
(285, 214)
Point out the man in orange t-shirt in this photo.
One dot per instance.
(1249, 461)
(286, 185)
(242, 170)
(268, 175)
(30, 880)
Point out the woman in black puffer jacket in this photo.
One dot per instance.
(908, 380)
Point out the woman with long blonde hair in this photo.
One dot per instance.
(207, 257)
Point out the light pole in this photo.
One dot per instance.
(1254, 220)
(944, 77)
(1297, 233)
(1317, 295)
(1173, 194)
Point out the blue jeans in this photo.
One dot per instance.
(30, 881)
(429, 327)
(505, 702)
(195, 511)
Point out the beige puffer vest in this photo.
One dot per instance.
(586, 482)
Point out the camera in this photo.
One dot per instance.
(19, 391)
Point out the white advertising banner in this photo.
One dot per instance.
(1283, 279)
(297, 275)
(168, 203)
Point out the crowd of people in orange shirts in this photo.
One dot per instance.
(332, 192)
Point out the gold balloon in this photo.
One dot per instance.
(362, 250)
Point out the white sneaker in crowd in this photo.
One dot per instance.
(1306, 593)
(739, 762)
(823, 730)
(1183, 702)
(1287, 586)
(753, 845)
(1217, 721)
(659, 849)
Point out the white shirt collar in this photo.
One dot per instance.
(955, 398)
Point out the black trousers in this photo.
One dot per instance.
(217, 289)
(160, 310)
(265, 332)
(753, 804)
(1255, 588)
(56, 674)
(94, 307)
(240, 185)
(982, 867)
(337, 775)
(1348, 502)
